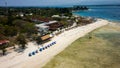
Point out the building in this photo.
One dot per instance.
(45, 27)
(56, 16)
(3, 42)
(42, 28)
(54, 25)
(41, 19)
(45, 37)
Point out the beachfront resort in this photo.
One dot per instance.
(27, 34)
(58, 37)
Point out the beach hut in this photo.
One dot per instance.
(45, 37)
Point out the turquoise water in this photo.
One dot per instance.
(111, 13)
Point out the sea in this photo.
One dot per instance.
(111, 13)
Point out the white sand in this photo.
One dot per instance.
(22, 60)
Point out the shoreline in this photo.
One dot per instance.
(101, 49)
(63, 40)
(110, 20)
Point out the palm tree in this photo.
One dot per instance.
(21, 41)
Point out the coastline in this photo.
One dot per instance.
(102, 50)
(63, 41)
(111, 13)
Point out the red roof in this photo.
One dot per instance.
(3, 41)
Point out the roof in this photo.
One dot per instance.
(42, 19)
(3, 41)
(41, 25)
(55, 16)
(45, 24)
(51, 22)
(45, 37)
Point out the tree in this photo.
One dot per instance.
(27, 27)
(21, 41)
(38, 40)
(10, 18)
(30, 29)
(1, 29)
(3, 48)
(3, 20)
(10, 31)
(64, 23)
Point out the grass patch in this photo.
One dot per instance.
(102, 51)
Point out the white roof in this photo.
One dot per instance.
(51, 22)
(41, 25)
(44, 25)
(55, 16)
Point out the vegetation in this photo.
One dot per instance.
(3, 48)
(21, 40)
(17, 24)
(38, 40)
(101, 51)
(80, 8)
(65, 24)
(27, 27)
(84, 21)
(46, 12)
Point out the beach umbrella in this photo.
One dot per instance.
(52, 43)
(48, 46)
(45, 47)
(40, 49)
(36, 51)
(33, 53)
(29, 54)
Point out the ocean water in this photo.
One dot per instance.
(111, 13)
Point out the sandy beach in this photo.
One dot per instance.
(22, 60)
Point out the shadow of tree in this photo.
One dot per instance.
(19, 50)
(1, 54)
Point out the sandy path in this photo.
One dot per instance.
(40, 59)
